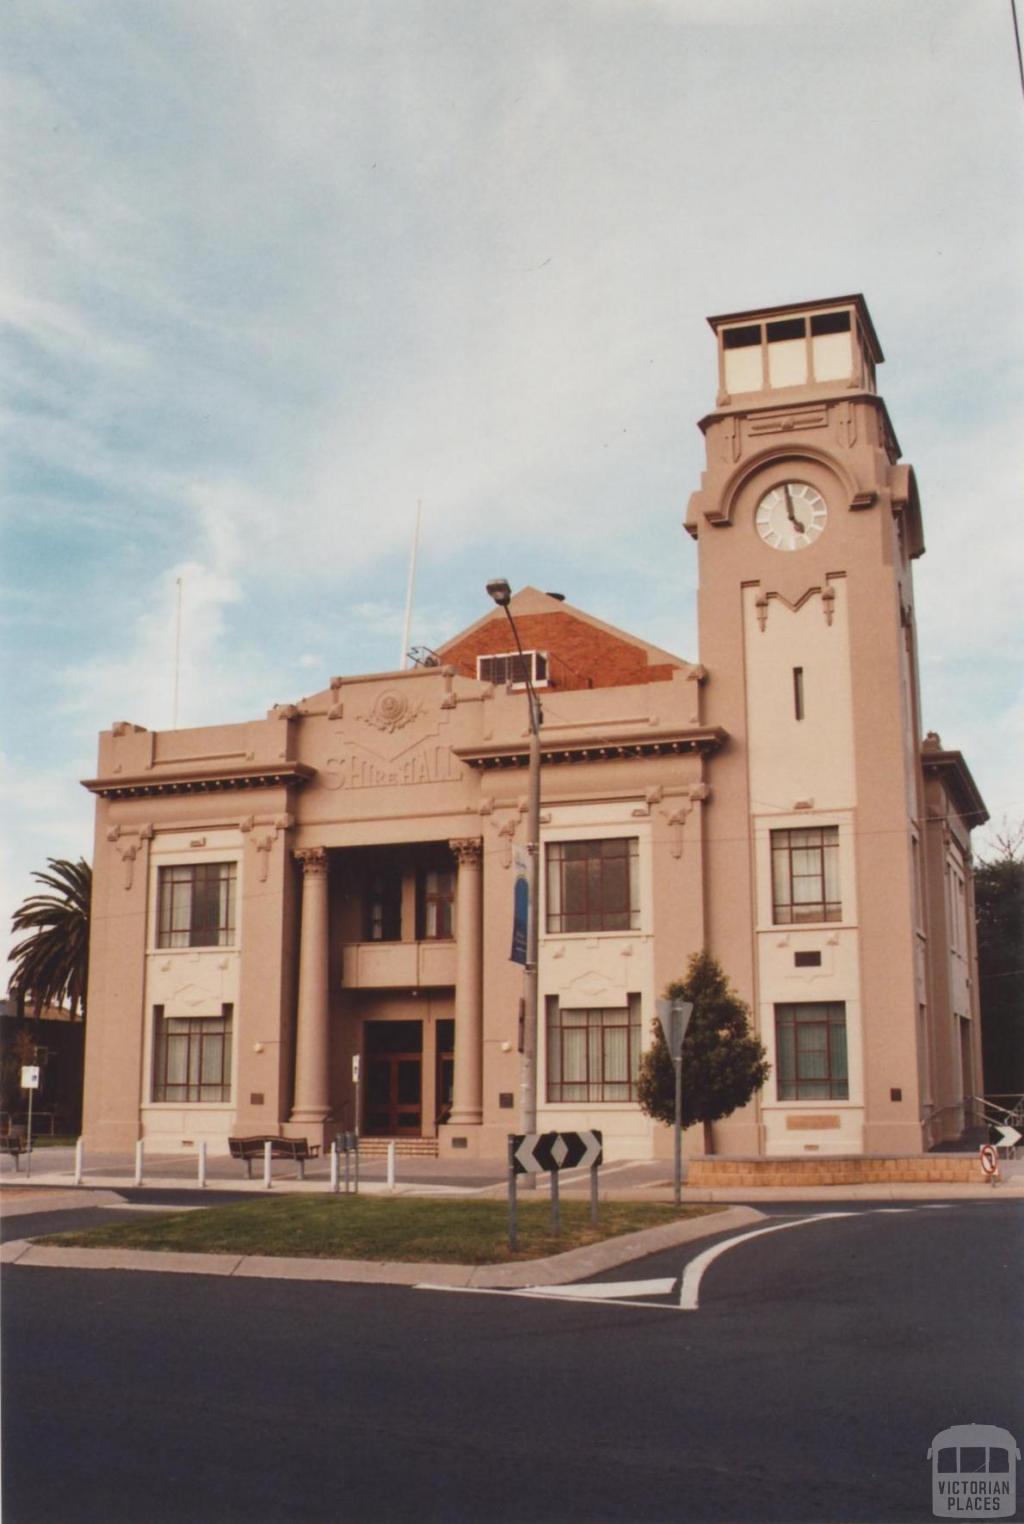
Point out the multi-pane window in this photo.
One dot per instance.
(593, 1055)
(192, 1057)
(810, 1045)
(437, 904)
(384, 906)
(196, 905)
(805, 875)
(593, 885)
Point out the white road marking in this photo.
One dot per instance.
(689, 1293)
(601, 1290)
(623, 1293)
(549, 1294)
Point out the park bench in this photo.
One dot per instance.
(11, 1143)
(248, 1149)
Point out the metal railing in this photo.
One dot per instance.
(968, 1123)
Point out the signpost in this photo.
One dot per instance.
(357, 1073)
(29, 1082)
(1008, 1137)
(538, 1153)
(674, 1016)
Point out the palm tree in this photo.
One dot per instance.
(52, 963)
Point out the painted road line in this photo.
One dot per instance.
(602, 1290)
(548, 1294)
(689, 1292)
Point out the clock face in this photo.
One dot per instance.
(791, 516)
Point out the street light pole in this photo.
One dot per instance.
(500, 591)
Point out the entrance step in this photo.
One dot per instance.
(405, 1148)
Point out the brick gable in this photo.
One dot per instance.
(581, 655)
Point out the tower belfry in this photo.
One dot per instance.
(813, 346)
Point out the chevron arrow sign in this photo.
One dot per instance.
(537, 1153)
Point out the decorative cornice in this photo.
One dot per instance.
(214, 781)
(554, 753)
(953, 773)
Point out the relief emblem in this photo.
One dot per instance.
(390, 712)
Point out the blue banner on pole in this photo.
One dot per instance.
(520, 903)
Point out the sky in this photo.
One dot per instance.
(274, 271)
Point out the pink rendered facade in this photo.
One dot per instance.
(302, 924)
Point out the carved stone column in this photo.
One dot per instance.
(312, 1093)
(468, 1086)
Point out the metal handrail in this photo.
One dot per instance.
(981, 1110)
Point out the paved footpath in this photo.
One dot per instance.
(54, 1192)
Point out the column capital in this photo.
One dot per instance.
(468, 851)
(313, 860)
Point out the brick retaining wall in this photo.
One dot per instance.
(931, 1169)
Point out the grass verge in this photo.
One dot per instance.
(360, 1227)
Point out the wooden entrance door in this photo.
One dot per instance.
(444, 1077)
(393, 1096)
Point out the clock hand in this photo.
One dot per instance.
(789, 510)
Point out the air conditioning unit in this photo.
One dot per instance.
(510, 670)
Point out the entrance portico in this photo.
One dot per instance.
(410, 1002)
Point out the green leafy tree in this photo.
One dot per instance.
(723, 1065)
(51, 964)
(999, 902)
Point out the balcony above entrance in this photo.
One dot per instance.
(398, 965)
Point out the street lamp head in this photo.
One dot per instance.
(500, 591)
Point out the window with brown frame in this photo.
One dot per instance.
(810, 1048)
(196, 905)
(192, 1057)
(593, 885)
(805, 875)
(593, 1055)
(384, 905)
(437, 904)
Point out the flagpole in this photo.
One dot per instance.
(177, 657)
(407, 628)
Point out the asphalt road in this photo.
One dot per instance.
(807, 1386)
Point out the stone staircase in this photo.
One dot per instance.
(405, 1148)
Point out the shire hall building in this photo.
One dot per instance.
(277, 899)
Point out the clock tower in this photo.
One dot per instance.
(807, 525)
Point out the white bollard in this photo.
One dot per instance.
(202, 1163)
(139, 1155)
(391, 1166)
(268, 1149)
(79, 1160)
(334, 1166)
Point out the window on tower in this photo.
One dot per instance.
(810, 1048)
(805, 875)
(798, 693)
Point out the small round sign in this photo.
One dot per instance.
(989, 1159)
